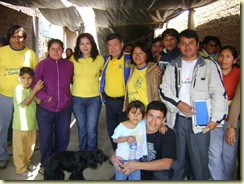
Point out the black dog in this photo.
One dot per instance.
(74, 162)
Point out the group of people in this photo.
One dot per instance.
(148, 99)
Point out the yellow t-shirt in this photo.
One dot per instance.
(10, 63)
(137, 86)
(86, 76)
(114, 76)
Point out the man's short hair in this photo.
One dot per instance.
(157, 105)
(114, 36)
(189, 33)
(26, 70)
(157, 39)
(208, 39)
(16, 28)
(171, 32)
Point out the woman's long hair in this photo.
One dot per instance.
(94, 50)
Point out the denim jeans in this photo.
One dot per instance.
(54, 131)
(87, 111)
(136, 175)
(6, 112)
(114, 115)
(222, 157)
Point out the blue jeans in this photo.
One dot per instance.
(222, 157)
(6, 113)
(87, 111)
(114, 115)
(136, 175)
(54, 131)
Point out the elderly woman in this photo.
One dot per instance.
(54, 111)
(12, 58)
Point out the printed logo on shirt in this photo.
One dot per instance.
(139, 82)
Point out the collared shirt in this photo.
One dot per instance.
(115, 77)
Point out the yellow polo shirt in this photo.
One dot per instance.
(86, 76)
(115, 86)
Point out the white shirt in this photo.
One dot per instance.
(186, 80)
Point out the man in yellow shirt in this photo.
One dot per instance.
(12, 58)
(113, 82)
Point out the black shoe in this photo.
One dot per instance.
(3, 164)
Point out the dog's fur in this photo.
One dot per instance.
(74, 162)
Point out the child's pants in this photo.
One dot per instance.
(23, 148)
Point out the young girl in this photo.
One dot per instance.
(131, 138)
(24, 122)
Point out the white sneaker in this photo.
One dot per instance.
(31, 167)
(26, 174)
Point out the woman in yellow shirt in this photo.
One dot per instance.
(143, 81)
(88, 64)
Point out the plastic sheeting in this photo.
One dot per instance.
(133, 19)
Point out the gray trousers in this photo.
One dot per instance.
(197, 146)
(6, 113)
(222, 157)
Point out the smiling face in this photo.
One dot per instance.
(154, 119)
(55, 51)
(210, 47)
(115, 47)
(135, 115)
(157, 48)
(139, 57)
(85, 46)
(17, 41)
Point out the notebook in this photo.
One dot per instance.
(201, 116)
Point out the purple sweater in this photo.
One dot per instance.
(57, 77)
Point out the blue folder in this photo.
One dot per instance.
(201, 116)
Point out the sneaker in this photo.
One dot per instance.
(26, 174)
(31, 167)
(3, 164)
(41, 170)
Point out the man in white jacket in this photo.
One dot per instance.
(188, 78)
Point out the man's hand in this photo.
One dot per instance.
(211, 125)
(186, 109)
(163, 129)
(129, 167)
(117, 162)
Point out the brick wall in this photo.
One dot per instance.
(10, 17)
(221, 19)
